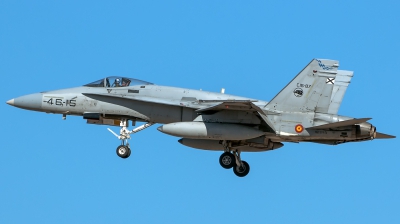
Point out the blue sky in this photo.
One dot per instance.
(55, 171)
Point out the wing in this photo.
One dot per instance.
(216, 105)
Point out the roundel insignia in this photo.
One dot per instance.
(299, 128)
(298, 92)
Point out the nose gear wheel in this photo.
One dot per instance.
(124, 150)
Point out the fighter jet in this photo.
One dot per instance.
(305, 110)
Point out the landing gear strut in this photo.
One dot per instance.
(242, 168)
(231, 159)
(124, 151)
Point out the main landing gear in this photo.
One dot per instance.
(231, 159)
(124, 150)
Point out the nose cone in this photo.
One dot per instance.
(29, 102)
(10, 102)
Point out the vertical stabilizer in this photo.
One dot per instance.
(342, 81)
(310, 90)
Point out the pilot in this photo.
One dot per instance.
(116, 83)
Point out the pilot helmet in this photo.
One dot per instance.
(116, 80)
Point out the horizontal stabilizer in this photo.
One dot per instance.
(341, 123)
(381, 136)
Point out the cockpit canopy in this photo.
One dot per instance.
(117, 81)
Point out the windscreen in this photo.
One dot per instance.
(98, 83)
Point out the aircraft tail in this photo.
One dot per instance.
(319, 87)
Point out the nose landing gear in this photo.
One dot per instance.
(124, 151)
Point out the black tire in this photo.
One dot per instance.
(242, 171)
(227, 160)
(123, 151)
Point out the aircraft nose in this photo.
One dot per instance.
(10, 102)
(29, 102)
